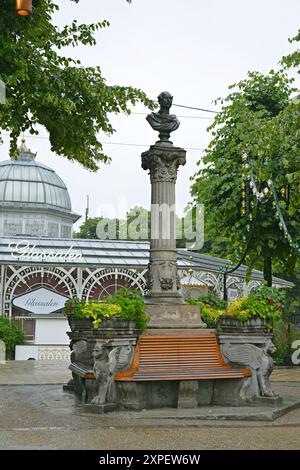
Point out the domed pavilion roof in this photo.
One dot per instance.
(24, 182)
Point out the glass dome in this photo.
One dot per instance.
(34, 200)
(25, 181)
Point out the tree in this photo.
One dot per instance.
(45, 87)
(88, 229)
(293, 59)
(135, 226)
(257, 117)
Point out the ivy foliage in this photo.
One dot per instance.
(45, 87)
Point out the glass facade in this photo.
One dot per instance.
(29, 181)
(34, 200)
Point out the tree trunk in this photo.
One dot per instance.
(268, 269)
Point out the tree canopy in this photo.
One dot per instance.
(259, 119)
(45, 87)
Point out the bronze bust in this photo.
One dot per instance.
(163, 121)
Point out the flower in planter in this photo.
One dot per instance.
(266, 303)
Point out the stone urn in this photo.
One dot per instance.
(229, 324)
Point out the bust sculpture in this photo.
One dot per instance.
(163, 121)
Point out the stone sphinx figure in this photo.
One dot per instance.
(107, 361)
(163, 121)
(259, 361)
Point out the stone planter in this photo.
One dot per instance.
(252, 325)
(84, 337)
(114, 325)
(80, 324)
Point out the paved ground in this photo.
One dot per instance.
(40, 415)
(51, 372)
(34, 372)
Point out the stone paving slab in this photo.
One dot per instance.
(41, 373)
(286, 374)
(34, 372)
(45, 417)
(152, 439)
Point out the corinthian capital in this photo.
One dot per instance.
(163, 162)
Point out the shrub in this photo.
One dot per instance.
(132, 306)
(284, 335)
(11, 332)
(211, 308)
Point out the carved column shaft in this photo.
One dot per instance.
(163, 160)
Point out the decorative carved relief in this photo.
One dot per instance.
(163, 163)
(107, 361)
(166, 283)
(260, 362)
(51, 353)
(162, 276)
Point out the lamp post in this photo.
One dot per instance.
(23, 7)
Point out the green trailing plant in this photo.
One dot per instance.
(125, 303)
(211, 308)
(91, 310)
(11, 333)
(132, 306)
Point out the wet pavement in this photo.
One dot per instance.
(39, 415)
(34, 372)
(52, 372)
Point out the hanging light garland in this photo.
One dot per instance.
(282, 224)
(248, 183)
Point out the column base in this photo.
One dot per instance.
(169, 299)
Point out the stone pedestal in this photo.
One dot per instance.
(174, 316)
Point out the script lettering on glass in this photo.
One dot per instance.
(24, 251)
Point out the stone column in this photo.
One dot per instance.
(166, 306)
(163, 160)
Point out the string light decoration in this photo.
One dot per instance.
(248, 183)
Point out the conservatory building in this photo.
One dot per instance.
(41, 265)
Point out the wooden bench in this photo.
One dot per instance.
(171, 371)
(196, 357)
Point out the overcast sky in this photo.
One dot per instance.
(192, 48)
